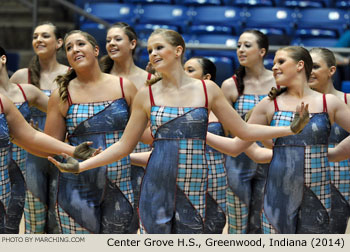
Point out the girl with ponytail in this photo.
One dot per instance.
(41, 72)
(173, 189)
(90, 105)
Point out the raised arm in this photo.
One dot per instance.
(233, 122)
(132, 134)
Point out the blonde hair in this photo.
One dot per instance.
(173, 38)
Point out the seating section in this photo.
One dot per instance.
(298, 22)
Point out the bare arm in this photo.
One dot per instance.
(132, 134)
(36, 97)
(233, 122)
(55, 125)
(259, 154)
(140, 159)
(28, 138)
(340, 152)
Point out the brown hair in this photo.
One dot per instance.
(63, 80)
(263, 42)
(106, 62)
(326, 54)
(173, 38)
(34, 65)
(297, 53)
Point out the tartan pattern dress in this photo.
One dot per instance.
(217, 185)
(340, 175)
(5, 185)
(246, 180)
(174, 187)
(17, 171)
(41, 182)
(297, 196)
(99, 200)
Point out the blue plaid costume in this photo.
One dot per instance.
(137, 172)
(340, 175)
(17, 171)
(217, 185)
(99, 200)
(41, 181)
(5, 185)
(297, 195)
(174, 187)
(246, 180)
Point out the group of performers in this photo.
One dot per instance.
(113, 148)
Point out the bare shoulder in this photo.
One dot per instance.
(228, 84)
(20, 76)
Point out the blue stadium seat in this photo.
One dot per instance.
(345, 86)
(272, 19)
(217, 20)
(304, 3)
(198, 2)
(81, 3)
(315, 42)
(12, 62)
(268, 60)
(111, 12)
(151, 1)
(342, 4)
(220, 39)
(325, 19)
(174, 16)
(249, 3)
(99, 32)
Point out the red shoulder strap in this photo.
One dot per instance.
(70, 102)
(345, 98)
(278, 86)
(276, 105)
(121, 85)
(205, 93)
(24, 95)
(28, 76)
(149, 76)
(324, 103)
(234, 77)
(2, 106)
(151, 96)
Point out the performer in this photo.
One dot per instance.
(94, 106)
(24, 96)
(246, 88)
(121, 43)
(14, 128)
(173, 190)
(297, 197)
(204, 69)
(324, 67)
(43, 69)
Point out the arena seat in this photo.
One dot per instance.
(216, 19)
(249, 3)
(151, 1)
(315, 42)
(198, 2)
(111, 12)
(156, 15)
(332, 20)
(272, 19)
